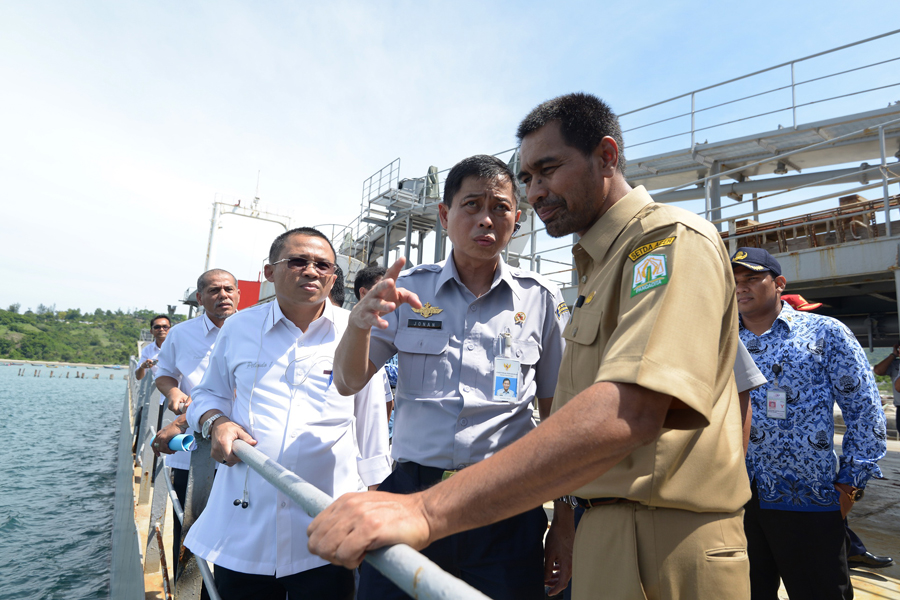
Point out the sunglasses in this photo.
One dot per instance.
(160, 327)
(322, 267)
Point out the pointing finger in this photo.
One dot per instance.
(394, 271)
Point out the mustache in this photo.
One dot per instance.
(549, 201)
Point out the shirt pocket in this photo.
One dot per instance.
(582, 352)
(422, 361)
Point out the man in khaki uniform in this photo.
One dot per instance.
(646, 424)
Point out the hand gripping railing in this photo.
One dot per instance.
(409, 570)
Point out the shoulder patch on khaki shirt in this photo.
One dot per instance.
(649, 272)
(647, 248)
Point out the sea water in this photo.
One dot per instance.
(58, 441)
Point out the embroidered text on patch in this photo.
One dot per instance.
(649, 272)
(647, 248)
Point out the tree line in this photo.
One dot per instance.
(45, 334)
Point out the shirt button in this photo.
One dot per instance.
(463, 422)
(283, 504)
(467, 389)
(470, 347)
(472, 308)
(583, 278)
(460, 467)
(293, 434)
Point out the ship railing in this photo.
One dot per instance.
(720, 105)
(407, 569)
(205, 572)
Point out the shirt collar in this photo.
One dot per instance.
(275, 315)
(208, 324)
(448, 272)
(788, 316)
(600, 237)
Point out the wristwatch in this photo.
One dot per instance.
(207, 425)
(570, 500)
(856, 494)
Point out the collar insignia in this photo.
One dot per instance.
(428, 310)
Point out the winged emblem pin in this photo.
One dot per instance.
(507, 366)
(428, 310)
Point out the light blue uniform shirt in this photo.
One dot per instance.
(445, 415)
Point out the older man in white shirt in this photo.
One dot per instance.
(182, 361)
(269, 383)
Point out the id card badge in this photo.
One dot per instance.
(776, 404)
(506, 379)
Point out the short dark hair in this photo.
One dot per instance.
(367, 278)
(506, 380)
(337, 294)
(277, 246)
(584, 120)
(160, 317)
(203, 279)
(480, 166)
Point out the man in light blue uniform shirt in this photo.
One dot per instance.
(467, 321)
(801, 491)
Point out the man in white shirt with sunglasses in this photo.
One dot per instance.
(270, 384)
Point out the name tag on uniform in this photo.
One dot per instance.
(423, 324)
(776, 404)
(506, 379)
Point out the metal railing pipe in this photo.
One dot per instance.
(794, 95)
(205, 573)
(409, 570)
(884, 182)
(780, 156)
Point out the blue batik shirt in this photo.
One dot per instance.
(792, 460)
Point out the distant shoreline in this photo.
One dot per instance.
(44, 363)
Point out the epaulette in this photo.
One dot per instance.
(543, 281)
(428, 267)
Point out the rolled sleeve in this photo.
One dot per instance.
(374, 462)
(747, 375)
(857, 395)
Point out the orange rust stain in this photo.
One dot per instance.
(416, 580)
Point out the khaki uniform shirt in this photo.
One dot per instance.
(659, 311)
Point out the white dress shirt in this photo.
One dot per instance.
(150, 352)
(281, 382)
(184, 357)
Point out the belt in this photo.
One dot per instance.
(587, 503)
(423, 474)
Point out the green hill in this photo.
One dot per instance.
(101, 337)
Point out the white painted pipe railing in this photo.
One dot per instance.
(205, 573)
(409, 570)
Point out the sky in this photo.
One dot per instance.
(122, 122)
